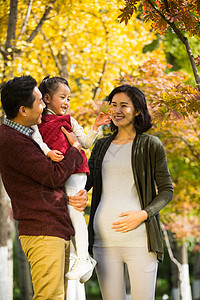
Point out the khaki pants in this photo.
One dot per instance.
(49, 261)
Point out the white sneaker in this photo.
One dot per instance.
(79, 268)
(87, 276)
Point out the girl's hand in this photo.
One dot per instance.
(132, 220)
(72, 138)
(79, 201)
(55, 155)
(101, 119)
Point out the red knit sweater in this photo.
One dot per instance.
(35, 184)
(55, 138)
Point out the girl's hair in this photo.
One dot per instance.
(49, 85)
(143, 121)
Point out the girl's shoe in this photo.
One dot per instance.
(80, 268)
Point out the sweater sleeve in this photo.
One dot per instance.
(163, 182)
(27, 158)
(86, 140)
(38, 138)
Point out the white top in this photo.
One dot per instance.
(86, 140)
(118, 195)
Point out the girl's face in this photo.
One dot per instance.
(59, 101)
(122, 111)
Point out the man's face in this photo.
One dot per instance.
(34, 114)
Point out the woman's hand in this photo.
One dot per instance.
(132, 220)
(79, 201)
(72, 138)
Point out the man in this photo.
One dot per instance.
(35, 186)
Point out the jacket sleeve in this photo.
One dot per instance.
(91, 162)
(162, 179)
(28, 159)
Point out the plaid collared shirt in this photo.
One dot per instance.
(25, 130)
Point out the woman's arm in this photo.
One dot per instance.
(163, 182)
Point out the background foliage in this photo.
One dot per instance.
(85, 42)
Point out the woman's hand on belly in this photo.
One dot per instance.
(131, 220)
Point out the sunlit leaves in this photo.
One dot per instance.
(185, 13)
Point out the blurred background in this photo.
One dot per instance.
(97, 45)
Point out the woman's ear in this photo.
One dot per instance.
(46, 98)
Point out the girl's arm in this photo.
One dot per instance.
(38, 138)
(54, 155)
(87, 140)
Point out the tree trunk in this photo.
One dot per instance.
(196, 275)
(193, 64)
(4, 281)
(25, 280)
(175, 291)
(184, 275)
(183, 268)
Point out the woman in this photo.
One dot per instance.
(124, 222)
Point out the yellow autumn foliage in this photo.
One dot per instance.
(80, 40)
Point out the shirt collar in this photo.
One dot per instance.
(25, 130)
(50, 112)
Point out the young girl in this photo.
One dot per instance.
(56, 95)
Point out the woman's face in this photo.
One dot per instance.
(59, 101)
(122, 111)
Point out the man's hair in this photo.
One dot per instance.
(17, 92)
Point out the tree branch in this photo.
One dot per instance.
(106, 51)
(194, 128)
(171, 24)
(166, 5)
(169, 249)
(41, 22)
(192, 150)
(58, 65)
(3, 51)
(183, 39)
(26, 19)
(41, 64)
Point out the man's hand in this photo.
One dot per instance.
(79, 201)
(71, 138)
(55, 155)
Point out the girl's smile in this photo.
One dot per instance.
(59, 101)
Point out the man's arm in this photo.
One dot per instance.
(79, 201)
(28, 158)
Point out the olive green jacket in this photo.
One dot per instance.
(150, 170)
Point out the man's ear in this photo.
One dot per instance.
(22, 111)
